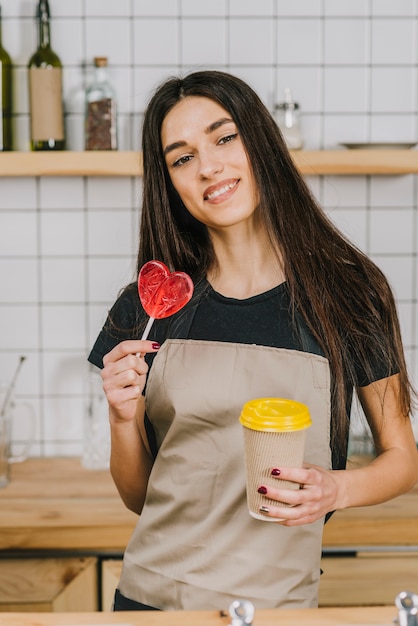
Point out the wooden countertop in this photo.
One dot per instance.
(277, 617)
(56, 504)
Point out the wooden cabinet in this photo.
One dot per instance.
(368, 579)
(111, 569)
(48, 585)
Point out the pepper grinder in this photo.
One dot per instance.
(287, 117)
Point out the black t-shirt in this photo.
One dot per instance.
(265, 319)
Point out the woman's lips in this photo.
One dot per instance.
(217, 193)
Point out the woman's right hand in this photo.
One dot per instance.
(124, 375)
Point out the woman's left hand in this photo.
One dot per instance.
(316, 496)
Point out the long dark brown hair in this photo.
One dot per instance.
(340, 293)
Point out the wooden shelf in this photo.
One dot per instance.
(118, 163)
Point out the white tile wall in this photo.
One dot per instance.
(67, 245)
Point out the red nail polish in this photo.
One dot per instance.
(156, 346)
(275, 472)
(262, 490)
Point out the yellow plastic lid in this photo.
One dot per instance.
(275, 415)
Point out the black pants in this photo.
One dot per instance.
(121, 603)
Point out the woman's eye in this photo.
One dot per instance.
(182, 160)
(228, 138)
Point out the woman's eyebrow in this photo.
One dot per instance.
(217, 124)
(212, 127)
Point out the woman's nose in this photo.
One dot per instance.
(210, 164)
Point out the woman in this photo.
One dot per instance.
(284, 306)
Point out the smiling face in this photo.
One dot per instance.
(208, 164)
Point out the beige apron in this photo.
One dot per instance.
(195, 545)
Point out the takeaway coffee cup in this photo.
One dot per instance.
(274, 436)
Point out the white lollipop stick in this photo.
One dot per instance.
(147, 328)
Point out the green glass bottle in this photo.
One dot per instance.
(45, 89)
(6, 98)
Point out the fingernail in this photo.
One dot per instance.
(275, 472)
(156, 346)
(264, 509)
(262, 490)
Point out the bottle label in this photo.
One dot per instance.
(47, 121)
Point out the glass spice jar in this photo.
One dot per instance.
(101, 114)
(287, 118)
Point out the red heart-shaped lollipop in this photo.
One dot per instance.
(163, 293)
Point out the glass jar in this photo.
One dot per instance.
(101, 119)
(287, 116)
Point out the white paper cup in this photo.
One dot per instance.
(274, 436)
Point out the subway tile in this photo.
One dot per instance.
(156, 41)
(109, 233)
(203, 41)
(311, 129)
(63, 373)
(393, 89)
(259, 32)
(97, 314)
(20, 90)
(127, 138)
(353, 224)
(299, 41)
(249, 7)
(391, 8)
(345, 191)
(75, 132)
(67, 41)
(340, 128)
(146, 81)
(346, 41)
(401, 31)
(314, 184)
(399, 272)
(62, 280)
(27, 382)
(346, 89)
(63, 419)
(107, 8)
(406, 321)
(110, 38)
(66, 9)
(109, 193)
(106, 277)
(261, 79)
(156, 8)
(19, 327)
(18, 280)
(191, 8)
(305, 84)
(392, 191)
(21, 139)
(11, 8)
(346, 8)
(393, 128)
(391, 231)
(73, 90)
(18, 233)
(52, 196)
(299, 8)
(17, 193)
(18, 39)
(62, 233)
(63, 326)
